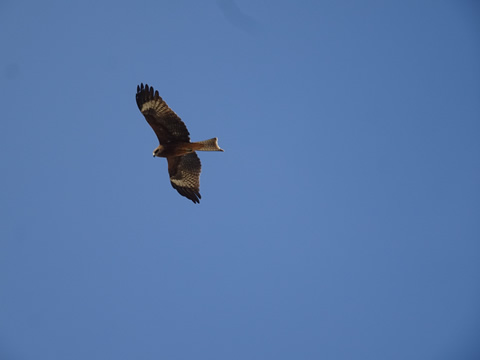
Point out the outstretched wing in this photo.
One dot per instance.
(167, 125)
(184, 174)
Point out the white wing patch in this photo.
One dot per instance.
(158, 106)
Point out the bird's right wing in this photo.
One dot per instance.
(184, 174)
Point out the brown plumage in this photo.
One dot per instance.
(184, 166)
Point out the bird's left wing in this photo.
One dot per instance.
(184, 174)
(167, 125)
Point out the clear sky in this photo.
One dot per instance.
(341, 222)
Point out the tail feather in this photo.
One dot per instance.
(209, 145)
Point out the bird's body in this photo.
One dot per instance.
(184, 166)
(184, 148)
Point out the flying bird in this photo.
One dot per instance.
(184, 166)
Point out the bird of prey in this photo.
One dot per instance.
(184, 166)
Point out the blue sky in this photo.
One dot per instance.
(341, 222)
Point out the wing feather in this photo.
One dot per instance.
(167, 125)
(184, 174)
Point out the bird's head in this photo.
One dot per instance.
(158, 151)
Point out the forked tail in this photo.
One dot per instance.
(209, 145)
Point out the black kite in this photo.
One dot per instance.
(184, 166)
